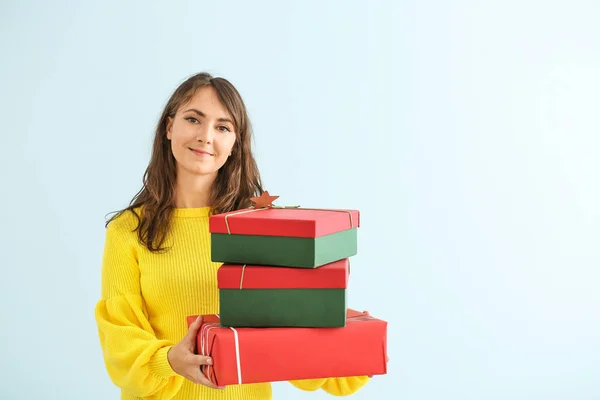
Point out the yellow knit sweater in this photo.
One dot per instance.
(146, 298)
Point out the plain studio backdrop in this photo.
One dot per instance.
(465, 132)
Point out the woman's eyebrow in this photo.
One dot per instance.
(200, 113)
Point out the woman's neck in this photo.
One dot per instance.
(193, 191)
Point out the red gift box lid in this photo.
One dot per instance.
(292, 222)
(329, 276)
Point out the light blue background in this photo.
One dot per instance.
(466, 133)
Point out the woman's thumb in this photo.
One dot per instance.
(193, 330)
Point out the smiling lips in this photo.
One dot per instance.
(201, 153)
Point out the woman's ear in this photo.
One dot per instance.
(169, 127)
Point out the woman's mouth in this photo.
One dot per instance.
(201, 153)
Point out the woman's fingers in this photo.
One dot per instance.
(196, 361)
(201, 379)
(202, 360)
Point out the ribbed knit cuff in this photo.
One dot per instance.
(344, 386)
(309, 384)
(159, 363)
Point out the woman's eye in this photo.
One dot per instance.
(224, 128)
(192, 120)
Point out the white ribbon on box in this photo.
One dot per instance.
(206, 328)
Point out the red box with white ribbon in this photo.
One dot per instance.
(254, 355)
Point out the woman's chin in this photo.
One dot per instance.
(196, 170)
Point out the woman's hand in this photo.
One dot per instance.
(185, 362)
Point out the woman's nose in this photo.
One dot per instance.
(205, 134)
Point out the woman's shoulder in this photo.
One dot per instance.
(125, 220)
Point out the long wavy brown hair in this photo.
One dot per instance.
(237, 181)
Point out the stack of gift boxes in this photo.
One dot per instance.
(283, 301)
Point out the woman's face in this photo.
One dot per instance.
(201, 134)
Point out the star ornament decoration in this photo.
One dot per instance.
(264, 200)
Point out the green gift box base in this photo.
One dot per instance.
(309, 308)
(283, 251)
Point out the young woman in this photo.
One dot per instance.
(157, 267)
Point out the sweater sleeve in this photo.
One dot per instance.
(136, 361)
(335, 386)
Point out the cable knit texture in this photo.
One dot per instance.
(146, 298)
